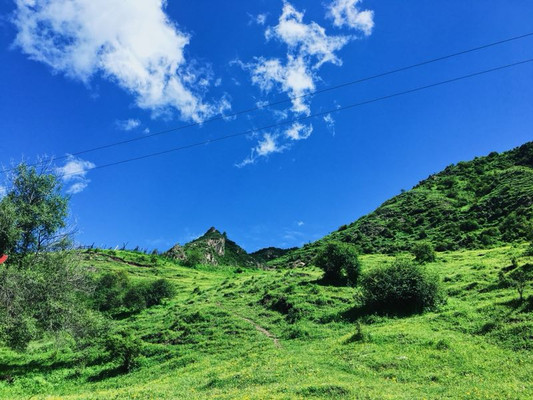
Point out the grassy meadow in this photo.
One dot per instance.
(237, 333)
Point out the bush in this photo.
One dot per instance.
(424, 252)
(125, 349)
(340, 263)
(135, 298)
(158, 290)
(401, 288)
(110, 290)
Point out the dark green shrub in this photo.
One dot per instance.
(158, 290)
(125, 349)
(135, 298)
(424, 252)
(110, 290)
(340, 263)
(401, 288)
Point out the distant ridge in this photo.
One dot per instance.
(214, 248)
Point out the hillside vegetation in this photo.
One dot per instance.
(481, 203)
(280, 334)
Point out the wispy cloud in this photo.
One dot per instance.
(132, 43)
(346, 13)
(3, 191)
(128, 124)
(74, 174)
(308, 48)
(267, 145)
(259, 19)
(330, 123)
(300, 223)
(298, 131)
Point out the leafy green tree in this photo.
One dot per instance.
(340, 262)
(38, 212)
(43, 290)
(424, 252)
(520, 277)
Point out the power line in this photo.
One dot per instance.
(284, 101)
(287, 122)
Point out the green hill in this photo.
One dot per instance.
(481, 203)
(213, 248)
(225, 336)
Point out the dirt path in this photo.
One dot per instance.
(264, 331)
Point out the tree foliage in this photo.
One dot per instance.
(35, 211)
(43, 290)
(340, 263)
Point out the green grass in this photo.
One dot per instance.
(203, 343)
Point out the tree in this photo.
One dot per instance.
(340, 262)
(43, 289)
(424, 252)
(35, 211)
(520, 277)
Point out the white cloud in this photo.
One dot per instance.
(128, 124)
(77, 187)
(309, 40)
(300, 223)
(298, 131)
(308, 48)
(267, 145)
(131, 43)
(330, 123)
(74, 174)
(261, 19)
(346, 13)
(3, 191)
(294, 78)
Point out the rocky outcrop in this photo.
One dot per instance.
(214, 248)
(176, 253)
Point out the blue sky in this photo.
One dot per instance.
(76, 74)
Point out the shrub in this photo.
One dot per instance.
(340, 263)
(401, 288)
(158, 290)
(110, 290)
(125, 349)
(135, 298)
(424, 252)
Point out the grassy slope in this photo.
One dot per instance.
(197, 346)
(476, 204)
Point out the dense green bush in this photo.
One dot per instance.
(401, 288)
(340, 263)
(110, 290)
(424, 252)
(158, 290)
(125, 349)
(114, 291)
